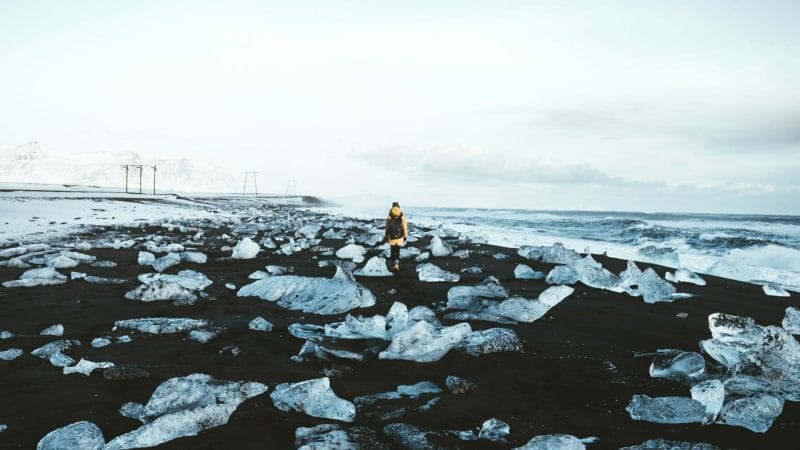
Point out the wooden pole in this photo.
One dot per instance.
(154, 179)
(140, 179)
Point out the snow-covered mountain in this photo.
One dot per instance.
(30, 164)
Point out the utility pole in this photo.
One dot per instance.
(255, 183)
(140, 177)
(291, 187)
(154, 178)
(126, 167)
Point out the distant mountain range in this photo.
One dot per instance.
(30, 164)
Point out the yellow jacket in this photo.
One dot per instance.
(396, 212)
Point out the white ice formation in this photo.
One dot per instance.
(79, 435)
(86, 367)
(375, 267)
(44, 276)
(310, 294)
(245, 249)
(431, 273)
(525, 272)
(439, 248)
(260, 324)
(313, 397)
(682, 275)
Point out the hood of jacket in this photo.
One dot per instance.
(395, 212)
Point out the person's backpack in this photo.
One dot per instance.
(395, 227)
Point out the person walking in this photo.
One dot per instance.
(396, 233)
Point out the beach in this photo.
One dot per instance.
(579, 366)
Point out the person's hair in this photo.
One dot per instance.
(395, 204)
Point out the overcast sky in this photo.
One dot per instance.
(601, 105)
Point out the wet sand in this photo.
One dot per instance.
(576, 374)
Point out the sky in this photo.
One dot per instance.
(690, 106)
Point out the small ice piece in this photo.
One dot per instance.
(774, 290)
(132, 410)
(630, 277)
(313, 397)
(457, 385)
(80, 257)
(53, 352)
(310, 231)
(10, 354)
(230, 286)
(685, 276)
(666, 409)
(161, 325)
(44, 276)
(404, 390)
(17, 263)
(431, 273)
(62, 262)
(665, 256)
(185, 406)
(245, 249)
(79, 435)
(553, 254)
(425, 342)
(194, 257)
(375, 267)
(146, 259)
(104, 264)
(277, 270)
(677, 365)
(3, 427)
(204, 335)
(86, 367)
(473, 269)
(6, 334)
(663, 444)
(424, 256)
(493, 340)
(553, 442)
(494, 430)
(351, 251)
(439, 248)
(525, 272)
(102, 280)
(408, 436)
(124, 339)
(470, 297)
(165, 262)
(260, 324)
(330, 436)
(188, 279)
(100, 342)
(310, 294)
(756, 412)
(791, 322)
(653, 288)
(358, 328)
(258, 275)
(53, 330)
(562, 275)
(162, 290)
(14, 251)
(711, 394)
(463, 254)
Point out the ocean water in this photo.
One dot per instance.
(753, 248)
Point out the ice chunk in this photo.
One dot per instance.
(44, 276)
(494, 430)
(313, 397)
(525, 272)
(431, 273)
(756, 412)
(104, 264)
(162, 290)
(425, 342)
(310, 231)
(665, 256)
(329, 436)
(439, 248)
(310, 294)
(260, 324)
(408, 436)
(14, 251)
(562, 275)
(630, 276)
(194, 257)
(100, 342)
(666, 409)
(10, 354)
(86, 367)
(553, 254)
(711, 394)
(653, 288)
(185, 406)
(492, 340)
(79, 435)
(375, 267)
(791, 322)
(6, 334)
(161, 325)
(685, 276)
(146, 259)
(54, 330)
(774, 290)
(245, 249)
(53, 352)
(17, 263)
(204, 335)
(677, 365)
(553, 442)
(358, 328)
(188, 279)
(62, 262)
(457, 385)
(165, 262)
(592, 274)
(351, 251)
(473, 269)
(663, 444)
(468, 297)
(408, 391)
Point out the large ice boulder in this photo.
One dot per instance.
(672, 410)
(161, 325)
(310, 294)
(79, 435)
(185, 406)
(354, 252)
(313, 397)
(375, 267)
(554, 442)
(525, 272)
(188, 279)
(493, 340)
(431, 273)
(44, 276)
(53, 352)
(553, 254)
(425, 342)
(245, 249)
(439, 248)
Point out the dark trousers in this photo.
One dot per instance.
(395, 252)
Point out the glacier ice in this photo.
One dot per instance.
(61, 262)
(260, 324)
(245, 249)
(408, 436)
(159, 290)
(670, 410)
(711, 394)
(310, 294)
(6, 334)
(86, 367)
(10, 354)
(553, 254)
(432, 273)
(663, 444)
(44, 276)
(492, 340)
(313, 397)
(515, 309)
(161, 325)
(791, 321)
(553, 442)
(525, 272)
(53, 352)
(494, 430)
(351, 251)
(309, 231)
(653, 288)
(677, 365)
(425, 342)
(457, 385)
(375, 267)
(188, 279)
(439, 248)
(53, 330)
(774, 290)
(194, 257)
(100, 342)
(468, 297)
(330, 436)
(682, 275)
(358, 328)
(755, 412)
(165, 262)
(185, 406)
(403, 391)
(562, 275)
(665, 256)
(78, 435)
